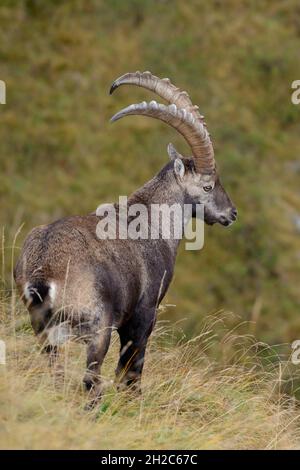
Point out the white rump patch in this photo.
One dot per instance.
(52, 293)
(26, 291)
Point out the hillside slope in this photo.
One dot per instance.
(59, 154)
(189, 401)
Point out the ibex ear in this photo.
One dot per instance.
(179, 168)
(172, 152)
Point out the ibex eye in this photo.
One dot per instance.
(207, 188)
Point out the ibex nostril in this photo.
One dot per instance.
(234, 214)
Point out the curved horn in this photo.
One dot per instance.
(164, 88)
(161, 86)
(192, 130)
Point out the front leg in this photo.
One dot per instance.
(134, 336)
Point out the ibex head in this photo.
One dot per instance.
(197, 175)
(203, 188)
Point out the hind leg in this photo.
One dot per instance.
(134, 336)
(97, 348)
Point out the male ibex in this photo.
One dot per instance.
(72, 281)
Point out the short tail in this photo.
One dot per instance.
(37, 292)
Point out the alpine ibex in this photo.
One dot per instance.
(73, 282)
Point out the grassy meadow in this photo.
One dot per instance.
(189, 400)
(207, 383)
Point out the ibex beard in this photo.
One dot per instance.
(77, 284)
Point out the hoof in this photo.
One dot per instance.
(94, 387)
(88, 384)
(90, 381)
(131, 386)
(91, 404)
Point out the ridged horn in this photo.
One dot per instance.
(194, 132)
(161, 86)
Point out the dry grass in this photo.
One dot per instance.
(189, 401)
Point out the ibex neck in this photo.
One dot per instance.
(163, 190)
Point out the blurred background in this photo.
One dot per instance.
(59, 155)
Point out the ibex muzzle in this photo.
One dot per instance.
(77, 285)
(219, 207)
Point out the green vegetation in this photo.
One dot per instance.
(59, 156)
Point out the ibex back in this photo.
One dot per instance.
(74, 284)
